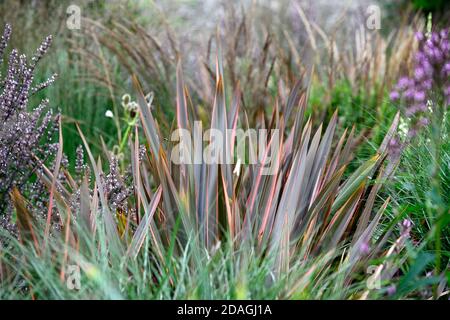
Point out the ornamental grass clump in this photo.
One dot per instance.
(308, 229)
(25, 135)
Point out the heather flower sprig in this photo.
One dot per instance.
(41, 51)
(44, 84)
(116, 187)
(26, 136)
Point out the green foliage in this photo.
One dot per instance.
(430, 5)
(424, 196)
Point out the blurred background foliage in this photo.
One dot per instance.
(266, 45)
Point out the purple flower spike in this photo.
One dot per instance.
(446, 69)
(409, 94)
(394, 95)
(428, 68)
(435, 37)
(445, 45)
(419, 96)
(437, 55)
(427, 84)
(419, 73)
(364, 248)
(420, 56)
(430, 83)
(403, 83)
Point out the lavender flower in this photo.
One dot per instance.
(431, 74)
(41, 51)
(428, 87)
(26, 136)
(45, 84)
(394, 95)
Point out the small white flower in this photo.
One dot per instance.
(237, 168)
(109, 114)
(133, 106)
